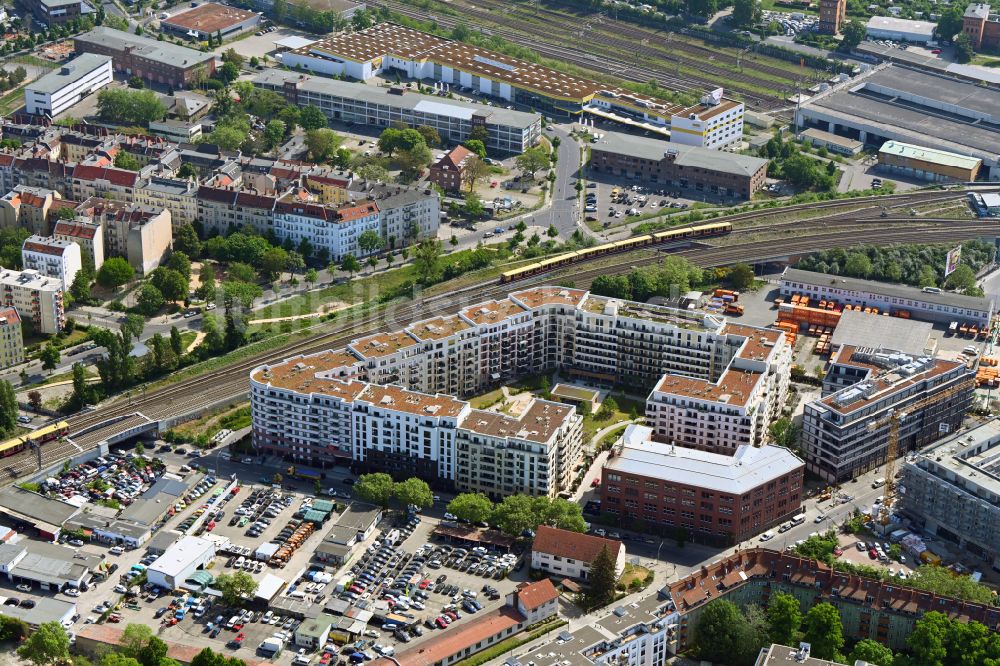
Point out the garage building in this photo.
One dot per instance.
(900, 30)
(931, 164)
(182, 559)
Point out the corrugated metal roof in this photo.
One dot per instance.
(932, 155)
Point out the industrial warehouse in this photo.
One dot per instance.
(915, 107)
(387, 47)
(210, 19)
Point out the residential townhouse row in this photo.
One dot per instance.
(385, 401)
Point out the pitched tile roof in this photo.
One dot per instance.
(9, 316)
(572, 545)
(533, 595)
(454, 641)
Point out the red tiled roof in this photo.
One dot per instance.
(533, 595)
(206, 193)
(9, 316)
(454, 641)
(75, 230)
(113, 176)
(255, 200)
(572, 545)
(6, 159)
(107, 635)
(44, 248)
(456, 156)
(352, 213)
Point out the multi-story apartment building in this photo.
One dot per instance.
(734, 409)
(96, 181)
(406, 214)
(299, 405)
(506, 455)
(448, 172)
(717, 497)
(28, 208)
(52, 257)
(37, 299)
(11, 338)
(223, 209)
(507, 131)
(847, 433)
(334, 229)
(88, 235)
(177, 195)
(159, 62)
(953, 490)
(142, 235)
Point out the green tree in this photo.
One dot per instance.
(703, 8)
(206, 278)
(427, 260)
(473, 206)
(274, 132)
(532, 160)
(176, 342)
(310, 276)
(784, 432)
(741, 276)
(476, 146)
(8, 407)
(927, 641)
(471, 507)
(746, 13)
(376, 488)
(82, 393)
(124, 160)
(824, 631)
(858, 265)
(321, 143)
(350, 265)
(35, 403)
(12, 629)
(854, 33)
(240, 293)
(514, 514)
(49, 644)
(180, 262)
(230, 55)
(784, 616)
(871, 652)
(235, 332)
(186, 170)
(115, 272)
(129, 107)
(241, 272)
(171, 283)
(479, 133)
(236, 588)
(213, 342)
(962, 278)
(950, 22)
(431, 136)
(370, 241)
(412, 162)
(311, 117)
(552, 232)
(50, 357)
(963, 48)
(602, 579)
(150, 300)
(413, 491)
(273, 262)
(722, 634)
(186, 239)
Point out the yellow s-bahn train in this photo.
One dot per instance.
(648, 240)
(36, 437)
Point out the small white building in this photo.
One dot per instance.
(52, 257)
(900, 30)
(62, 88)
(179, 561)
(569, 554)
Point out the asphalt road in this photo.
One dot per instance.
(564, 209)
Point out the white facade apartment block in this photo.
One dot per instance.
(62, 88)
(85, 233)
(645, 644)
(335, 229)
(37, 299)
(52, 257)
(716, 127)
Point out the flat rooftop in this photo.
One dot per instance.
(893, 24)
(409, 100)
(35, 508)
(922, 107)
(931, 155)
(69, 73)
(748, 468)
(948, 299)
(687, 156)
(492, 312)
(413, 402)
(539, 296)
(208, 18)
(181, 554)
(538, 423)
(438, 328)
(859, 329)
(733, 389)
(383, 344)
(970, 458)
(885, 384)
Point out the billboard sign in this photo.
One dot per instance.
(954, 256)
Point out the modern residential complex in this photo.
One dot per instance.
(63, 87)
(158, 62)
(923, 304)
(353, 403)
(52, 257)
(209, 19)
(37, 299)
(386, 48)
(953, 490)
(618, 156)
(915, 106)
(846, 433)
(565, 554)
(507, 131)
(720, 497)
(11, 338)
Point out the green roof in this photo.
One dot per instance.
(932, 155)
(323, 505)
(314, 516)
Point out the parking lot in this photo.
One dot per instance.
(612, 204)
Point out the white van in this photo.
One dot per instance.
(799, 519)
(879, 482)
(767, 536)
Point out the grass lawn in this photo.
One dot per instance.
(232, 418)
(486, 399)
(592, 424)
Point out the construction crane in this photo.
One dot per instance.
(893, 419)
